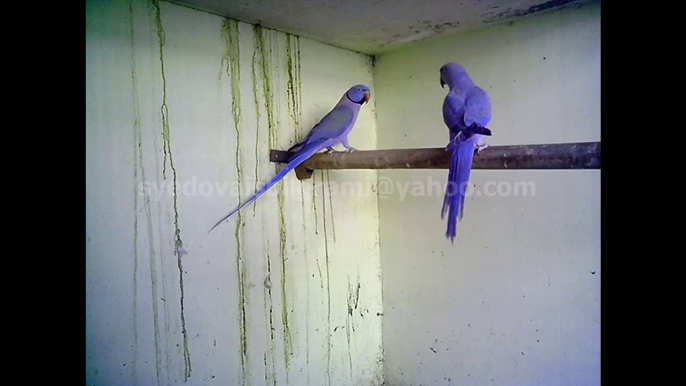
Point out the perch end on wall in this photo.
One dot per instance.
(560, 156)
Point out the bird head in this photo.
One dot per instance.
(451, 74)
(358, 94)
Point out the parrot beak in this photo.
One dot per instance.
(366, 97)
(442, 83)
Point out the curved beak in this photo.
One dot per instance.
(442, 83)
(366, 97)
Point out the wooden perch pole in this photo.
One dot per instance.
(583, 155)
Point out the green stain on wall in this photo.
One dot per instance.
(314, 204)
(348, 323)
(294, 83)
(165, 111)
(314, 190)
(352, 301)
(328, 290)
(231, 35)
(288, 348)
(256, 98)
(333, 224)
(265, 56)
(272, 343)
(266, 374)
(294, 103)
(166, 135)
(270, 374)
(273, 143)
(357, 292)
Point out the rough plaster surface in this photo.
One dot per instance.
(378, 26)
(516, 300)
(300, 305)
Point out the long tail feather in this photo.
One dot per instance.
(449, 189)
(303, 155)
(460, 168)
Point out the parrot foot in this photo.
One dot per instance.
(479, 148)
(350, 149)
(329, 150)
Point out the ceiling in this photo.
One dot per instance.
(375, 26)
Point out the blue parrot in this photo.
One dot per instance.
(331, 130)
(466, 112)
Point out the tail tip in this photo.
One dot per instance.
(215, 225)
(450, 235)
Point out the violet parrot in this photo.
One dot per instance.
(331, 130)
(466, 112)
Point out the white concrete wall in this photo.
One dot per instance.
(292, 296)
(516, 300)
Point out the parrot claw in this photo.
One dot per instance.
(350, 150)
(479, 148)
(329, 150)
